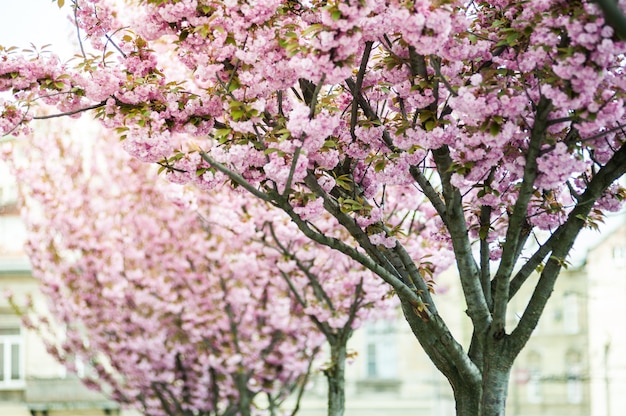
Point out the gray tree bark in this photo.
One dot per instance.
(335, 376)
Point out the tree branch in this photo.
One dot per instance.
(511, 248)
(430, 193)
(401, 289)
(234, 331)
(429, 327)
(346, 331)
(296, 154)
(415, 276)
(417, 63)
(444, 351)
(318, 290)
(561, 245)
(305, 381)
(322, 326)
(358, 85)
(235, 177)
(614, 16)
(353, 228)
(70, 113)
(485, 269)
(419, 177)
(292, 170)
(478, 309)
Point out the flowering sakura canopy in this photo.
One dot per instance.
(430, 130)
(286, 94)
(177, 307)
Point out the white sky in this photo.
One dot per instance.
(40, 22)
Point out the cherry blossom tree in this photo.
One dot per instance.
(489, 131)
(183, 301)
(156, 307)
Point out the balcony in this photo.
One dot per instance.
(47, 394)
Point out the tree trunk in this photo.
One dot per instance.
(490, 400)
(496, 374)
(245, 401)
(467, 399)
(494, 393)
(335, 375)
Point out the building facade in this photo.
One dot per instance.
(606, 269)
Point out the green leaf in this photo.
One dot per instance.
(425, 115)
(234, 84)
(220, 133)
(237, 114)
(316, 27)
(495, 128)
(274, 150)
(501, 43)
(330, 144)
(344, 182)
(230, 40)
(177, 157)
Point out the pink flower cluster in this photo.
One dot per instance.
(157, 278)
(372, 98)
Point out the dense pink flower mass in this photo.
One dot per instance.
(179, 299)
(429, 131)
(465, 76)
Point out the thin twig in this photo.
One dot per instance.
(235, 177)
(80, 41)
(70, 113)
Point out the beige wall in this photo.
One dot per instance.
(46, 384)
(551, 375)
(607, 312)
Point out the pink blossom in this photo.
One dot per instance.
(382, 239)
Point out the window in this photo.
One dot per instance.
(570, 313)
(533, 388)
(574, 375)
(381, 350)
(11, 359)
